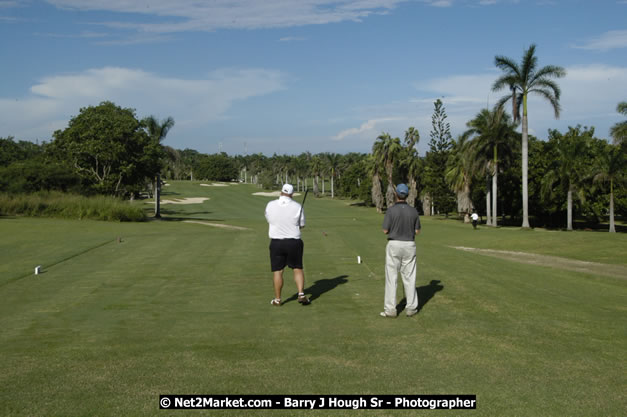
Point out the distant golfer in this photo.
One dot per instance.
(475, 219)
(286, 218)
(401, 224)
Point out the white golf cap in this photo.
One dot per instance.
(287, 189)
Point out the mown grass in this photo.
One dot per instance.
(184, 308)
(69, 206)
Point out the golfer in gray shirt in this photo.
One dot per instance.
(401, 224)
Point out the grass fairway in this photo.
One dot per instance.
(183, 308)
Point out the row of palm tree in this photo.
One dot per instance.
(303, 170)
(491, 136)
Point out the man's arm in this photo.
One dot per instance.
(386, 231)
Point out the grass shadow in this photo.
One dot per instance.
(425, 293)
(320, 287)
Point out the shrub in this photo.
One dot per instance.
(70, 206)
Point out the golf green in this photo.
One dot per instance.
(124, 312)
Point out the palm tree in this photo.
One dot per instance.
(333, 163)
(494, 135)
(619, 130)
(459, 170)
(566, 170)
(611, 167)
(522, 80)
(411, 162)
(157, 132)
(316, 168)
(386, 152)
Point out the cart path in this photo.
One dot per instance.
(595, 268)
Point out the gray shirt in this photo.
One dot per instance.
(401, 220)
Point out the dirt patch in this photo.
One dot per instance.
(215, 184)
(594, 268)
(220, 225)
(273, 194)
(190, 200)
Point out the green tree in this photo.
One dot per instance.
(568, 170)
(459, 171)
(376, 194)
(411, 163)
(619, 130)
(494, 135)
(316, 169)
(522, 80)
(11, 151)
(386, 152)
(108, 147)
(157, 131)
(435, 167)
(217, 167)
(352, 178)
(610, 167)
(333, 162)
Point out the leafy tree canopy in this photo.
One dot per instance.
(108, 147)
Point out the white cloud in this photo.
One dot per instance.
(192, 102)
(589, 97)
(367, 127)
(613, 39)
(192, 15)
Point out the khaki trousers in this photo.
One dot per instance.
(400, 256)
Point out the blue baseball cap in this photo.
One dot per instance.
(402, 190)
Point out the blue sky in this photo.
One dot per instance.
(291, 76)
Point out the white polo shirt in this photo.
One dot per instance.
(282, 216)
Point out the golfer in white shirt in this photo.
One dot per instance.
(285, 218)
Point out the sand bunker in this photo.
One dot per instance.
(593, 268)
(220, 225)
(272, 194)
(190, 200)
(215, 184)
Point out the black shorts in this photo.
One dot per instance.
(286, 252)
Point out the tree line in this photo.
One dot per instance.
(490, 168)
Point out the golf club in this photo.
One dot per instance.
(302, 206)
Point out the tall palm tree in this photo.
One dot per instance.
(333, 163)
(611, 167)
(374, 170)
(158, 130)
(619, 130)
(316, 168)
(493, 134)
(411, 162)
(386, 152)
(459, 171)
(522, 80)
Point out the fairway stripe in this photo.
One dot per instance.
(220, 225)
(595, 268)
